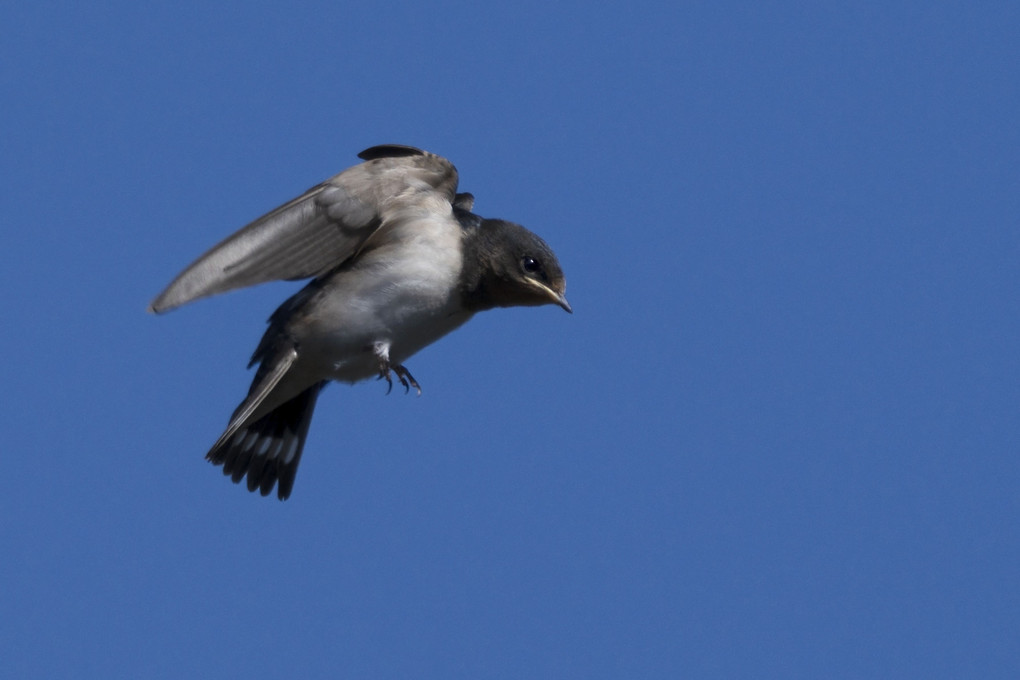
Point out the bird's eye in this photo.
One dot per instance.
(530, 264)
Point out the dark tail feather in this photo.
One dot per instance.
(268, 450)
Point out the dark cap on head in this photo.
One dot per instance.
(505, 265)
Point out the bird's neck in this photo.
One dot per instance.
(481, 280)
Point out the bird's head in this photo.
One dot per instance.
(508, 266)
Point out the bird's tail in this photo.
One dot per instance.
(267, 450)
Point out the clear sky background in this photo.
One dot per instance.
(777, 438)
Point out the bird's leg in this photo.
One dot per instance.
(382, 354)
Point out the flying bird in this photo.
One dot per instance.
(397, 259)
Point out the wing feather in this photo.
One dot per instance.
(318, 230)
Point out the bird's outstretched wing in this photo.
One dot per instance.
(318, 230)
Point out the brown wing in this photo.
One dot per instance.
(318, 230)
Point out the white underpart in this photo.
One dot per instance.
(400, 297)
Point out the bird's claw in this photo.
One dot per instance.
(385, 373)
(406, 379)
(403, 375)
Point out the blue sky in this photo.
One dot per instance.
(777, 438)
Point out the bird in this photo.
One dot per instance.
(396, 260)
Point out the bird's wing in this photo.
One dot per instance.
(318, 230)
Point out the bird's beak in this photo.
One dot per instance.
(550, 294)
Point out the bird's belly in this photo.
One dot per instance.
(402, 312)
(352, 359)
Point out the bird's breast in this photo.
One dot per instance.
(404, 292)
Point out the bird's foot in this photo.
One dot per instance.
(382, 352)
(385, 373)
(406, 379)
(403, 375)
